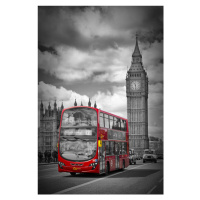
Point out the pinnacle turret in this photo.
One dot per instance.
(75, 104)
(41, 105)
(55, 105)
(62, 107)
(41, 109)
(89, 103)
(95, 105)
(49, 107)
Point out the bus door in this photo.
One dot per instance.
(116, 155)
(102, 157)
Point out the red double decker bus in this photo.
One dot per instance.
(92, 141)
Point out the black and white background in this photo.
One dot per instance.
(19, 101)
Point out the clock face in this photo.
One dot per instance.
(135, 85)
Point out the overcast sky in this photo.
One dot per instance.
(84, 52)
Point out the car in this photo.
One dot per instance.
(160, 156)
(149, 156)
(132, 157)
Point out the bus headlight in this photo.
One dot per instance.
(61, 164)
(93, 165)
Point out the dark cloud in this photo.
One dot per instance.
(74, 26)
(55, 27)
(43, 48)
(150, 36)
(49, 78)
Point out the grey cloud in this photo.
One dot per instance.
(43, 48)
(56, 26)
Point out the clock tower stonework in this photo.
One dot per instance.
(137, 103)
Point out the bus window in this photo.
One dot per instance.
(118, 124)
(112, 148)
(124, 148)
(107, 148)
(116, 148)
(106, 121)
(101, 120)
(111, 121)
(120, 148)
(115, 123)
(122, 125)
(125, 125)
(79, 117)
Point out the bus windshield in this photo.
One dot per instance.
(78, 135)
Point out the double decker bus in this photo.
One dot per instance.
(92, 141)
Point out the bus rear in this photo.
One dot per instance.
(77, 148)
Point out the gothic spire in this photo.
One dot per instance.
(136, 52)
(62, 107)
(75, 104)
(49, 107)
(41, 109)
(55, 105)
(41, 105)
(95, 105)
(81, 103)
(89, 103)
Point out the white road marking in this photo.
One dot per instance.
(154, 186)
(160, 180)
(151, 189)
(84, 184)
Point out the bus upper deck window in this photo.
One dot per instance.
(106, 121)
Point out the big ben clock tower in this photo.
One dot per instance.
(137, 103)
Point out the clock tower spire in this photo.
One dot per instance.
(137, 102)
(136, 52)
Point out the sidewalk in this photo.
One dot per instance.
(48, 163)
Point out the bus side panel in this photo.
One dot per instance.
(126, 162)
(125, 159)
(111, 160)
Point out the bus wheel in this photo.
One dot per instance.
(73, 173)
(107, 168)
